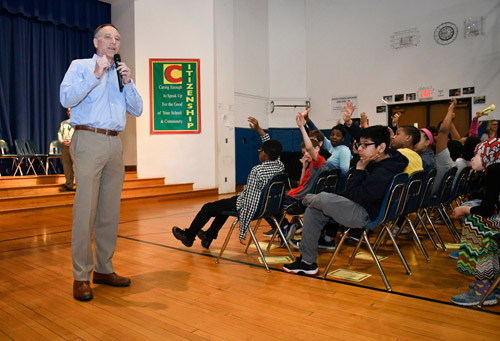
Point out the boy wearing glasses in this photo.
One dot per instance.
(359, 204)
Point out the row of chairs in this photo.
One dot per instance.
(270, 204)
(28, 154)
(405, 198)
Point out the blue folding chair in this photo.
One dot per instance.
(464, 181)
(443, 195)
(411, 205)
(331, 182)
(326, 181)
(422, 212)
(269, 205)
(459, 187)
(388, 211)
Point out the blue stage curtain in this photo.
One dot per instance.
(81, 14)
(38, 41)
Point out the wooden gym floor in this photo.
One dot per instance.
(180, 293)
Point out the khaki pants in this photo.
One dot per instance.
(67, 160)
(99, 174)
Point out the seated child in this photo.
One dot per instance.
(359, 204)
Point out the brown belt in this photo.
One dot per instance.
(98, 130)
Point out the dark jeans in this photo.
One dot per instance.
(209, 210)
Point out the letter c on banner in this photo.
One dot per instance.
(173, 73)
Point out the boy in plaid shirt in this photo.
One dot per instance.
(245, 203)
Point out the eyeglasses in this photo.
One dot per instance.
(363, 145)
(259, 150)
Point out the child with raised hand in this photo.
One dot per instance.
(312, 166)
(340, 154)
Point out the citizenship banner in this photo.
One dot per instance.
(175, 96)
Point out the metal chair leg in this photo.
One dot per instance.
(273, 237)
(438, 236)
(375, 259)
(254, 231)
(258, 247)
(30, 166)
(403, 260)
(332, 258)
(451, 221)
(356, 249)
(417, 240)
(18, 168)
(283, 238)
(227, 240)
(447, 223)
(378, 241)
(418, 221)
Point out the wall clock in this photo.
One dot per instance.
(446, 33)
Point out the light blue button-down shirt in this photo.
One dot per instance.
(98, 103)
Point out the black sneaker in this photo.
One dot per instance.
(323, 244)
(296, 208)
(65, 189)
(300, 267)
(205, 240)
(181, 235)
(269, 233)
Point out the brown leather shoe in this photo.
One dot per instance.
(111, 279)
(82, 291)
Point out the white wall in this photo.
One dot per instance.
(291, 50)
(122, 16)
(251, 61)
(287, 60)
(176, 29)
(224, 79)
(349, 52)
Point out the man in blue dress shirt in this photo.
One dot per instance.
(98, 113)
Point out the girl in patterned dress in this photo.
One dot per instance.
(479, 252)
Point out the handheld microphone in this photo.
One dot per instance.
(117, 60)
(486, 111)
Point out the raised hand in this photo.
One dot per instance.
(453, 104)
(395, 119)
(254, 124)
(391, 132)
(305, 114)
(100, 66)
(348, 110)
(125, 72)
(364, 120)
(300, 120)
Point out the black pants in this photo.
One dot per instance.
(209, 210)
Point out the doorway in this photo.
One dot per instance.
(426, 114)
